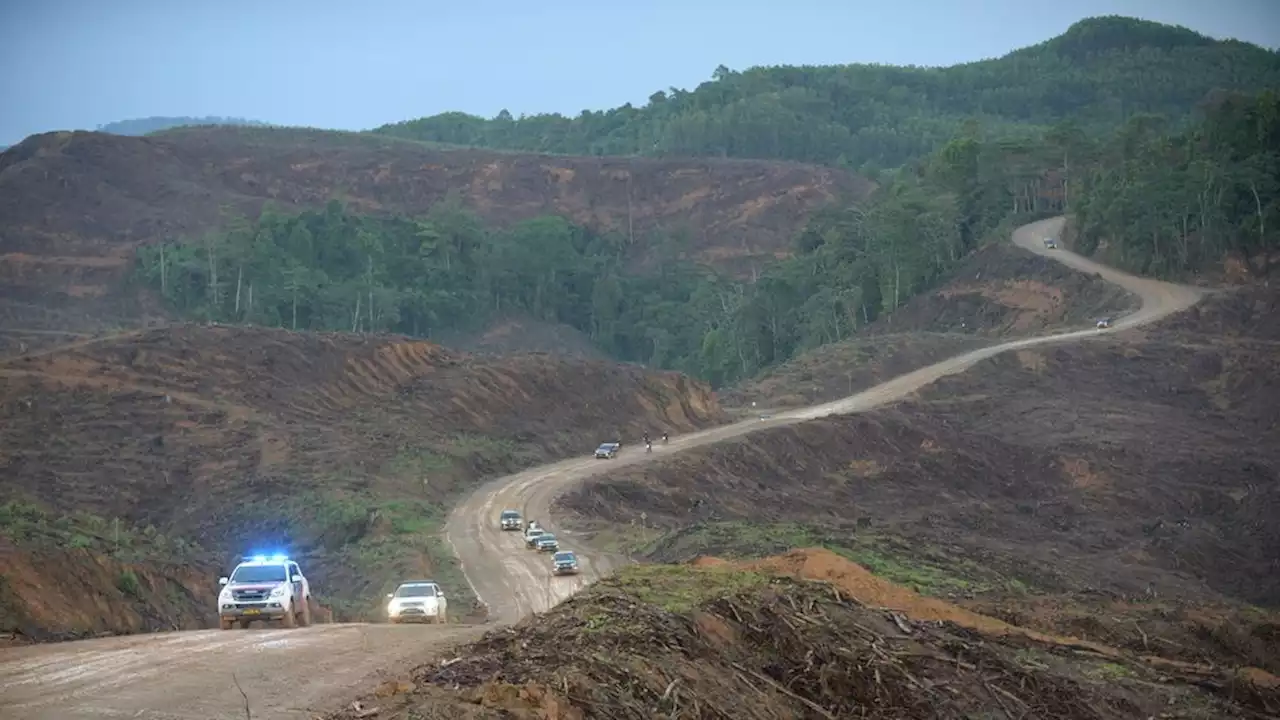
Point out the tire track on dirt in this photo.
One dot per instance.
(512, 581)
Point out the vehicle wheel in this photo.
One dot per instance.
(243, 624)
(290, 620)
(226, 623)
(305, 620)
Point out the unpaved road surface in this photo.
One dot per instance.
(514, 581)
(193, 675)
(297, 673)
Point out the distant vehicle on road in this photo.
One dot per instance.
(1104, 323)
(607, 451)
(564, 563)
(418, 601)
(510, 520)
(546, 542)
(264, 588)
(1050, 243)
(531, 536)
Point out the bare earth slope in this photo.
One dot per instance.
(998, 293)
(514, 582)
(135, 466)
(74, 206)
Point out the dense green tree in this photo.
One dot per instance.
(1094, 77)
(1174, 203)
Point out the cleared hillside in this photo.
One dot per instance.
(75, 206)
(139, 464)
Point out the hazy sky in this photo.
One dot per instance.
(328, 63)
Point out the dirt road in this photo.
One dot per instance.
(515, 582)
(189, 675)
(293, 673)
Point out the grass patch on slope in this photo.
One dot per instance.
(29, 525)
(929, 570)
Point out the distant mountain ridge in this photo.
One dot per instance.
(144, 126)
(1098, 74)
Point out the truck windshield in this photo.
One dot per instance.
(416, 591)
(258, 574)
(510, 515)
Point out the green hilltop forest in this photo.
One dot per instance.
(143, 126)
(1099, 73)
(1172, 196)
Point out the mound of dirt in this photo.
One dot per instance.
(749, 642)
(989, 297)
(74, 206)
(346, 450)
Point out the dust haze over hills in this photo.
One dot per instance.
(200, 315)
(143, 126)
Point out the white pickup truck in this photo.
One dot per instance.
(264, 588)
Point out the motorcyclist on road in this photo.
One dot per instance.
(648, 446)
(664, 438)
(646, 437)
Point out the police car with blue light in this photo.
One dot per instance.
(265, 587)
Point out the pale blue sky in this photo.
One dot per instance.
(79, 63)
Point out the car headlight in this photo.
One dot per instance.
(279, 591)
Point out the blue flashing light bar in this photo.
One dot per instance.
(278, 557)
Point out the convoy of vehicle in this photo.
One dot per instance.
(264, 588)
(418, 601)
(273, 588)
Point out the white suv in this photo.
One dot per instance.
(421, 601)
(265, 588)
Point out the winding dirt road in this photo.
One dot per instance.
(515, 582)
(297, 673)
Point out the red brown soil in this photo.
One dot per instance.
(74, 206)
(989, 297)
(1133, 483)
(52, 593)
(763, 640)
(199, 431)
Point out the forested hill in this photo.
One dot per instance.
(1100, 72)
(142, 126)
